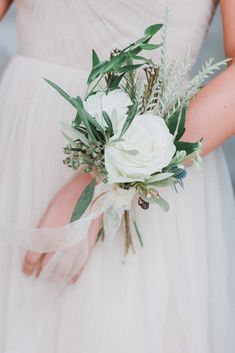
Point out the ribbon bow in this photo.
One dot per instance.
(70, 246)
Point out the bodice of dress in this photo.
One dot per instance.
(65, 31)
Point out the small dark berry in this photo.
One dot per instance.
(143, 204)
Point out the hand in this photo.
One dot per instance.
(58, 214)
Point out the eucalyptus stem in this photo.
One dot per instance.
(128, 240)
(138, 233)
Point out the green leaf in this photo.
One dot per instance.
(77, 121)
(153, 29)
(61, 92)
(181, 125)
(86, 116)
(138, 233)
(114, 82)
(165, 182)
(108, 122)
(106, 66)
(130, 46)
(96, 71)
(188, 147)
(163, 204)
(139, 57)
(79, 101)
(172, 123)
(74, 134)
(91, 133)
(149, 46)
(132, 113)
(115, 63)
(91, 119)
(127, 68)
(83, 202)
(159, 176)
(136, 48)
(117, 140)
(181, 128)
(95, 59)
(69, 139)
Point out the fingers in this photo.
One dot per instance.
(36, 262)
(91, 243)
(31, 259)
(75, 278)
(44, 260)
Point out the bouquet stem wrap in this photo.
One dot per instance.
(70, 246)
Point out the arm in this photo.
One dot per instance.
(4, 5)
(211, 114)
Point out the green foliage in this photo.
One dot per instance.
(176, 123)
(128, 68)
(188, 147)
(84, 201)
(108, 122)
(94, 129)
(149, 46)
(116, 64)
(130, 117)
(153, 29)
(95, 59)
(138, 233)
(62, 92)
(114, 81)
(163, 204)
(73, 134)
(164, 182)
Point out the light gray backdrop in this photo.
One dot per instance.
(213, 47)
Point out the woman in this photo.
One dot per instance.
(173, 296)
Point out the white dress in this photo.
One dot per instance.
(174, 295)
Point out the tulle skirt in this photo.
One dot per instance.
(175, 295)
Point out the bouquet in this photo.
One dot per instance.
(128, 128)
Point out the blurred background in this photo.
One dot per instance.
(213, 47)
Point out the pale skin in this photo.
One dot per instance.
(211, 115)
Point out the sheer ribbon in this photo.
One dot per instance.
(70, 246)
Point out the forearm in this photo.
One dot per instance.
(61, 207)
(211, 114)
(4, 5)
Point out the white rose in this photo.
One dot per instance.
(150, 147)
(115, 103)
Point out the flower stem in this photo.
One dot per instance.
(138, 233)
(100, 234)
(128, 240)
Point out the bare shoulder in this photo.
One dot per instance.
(228, 18)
